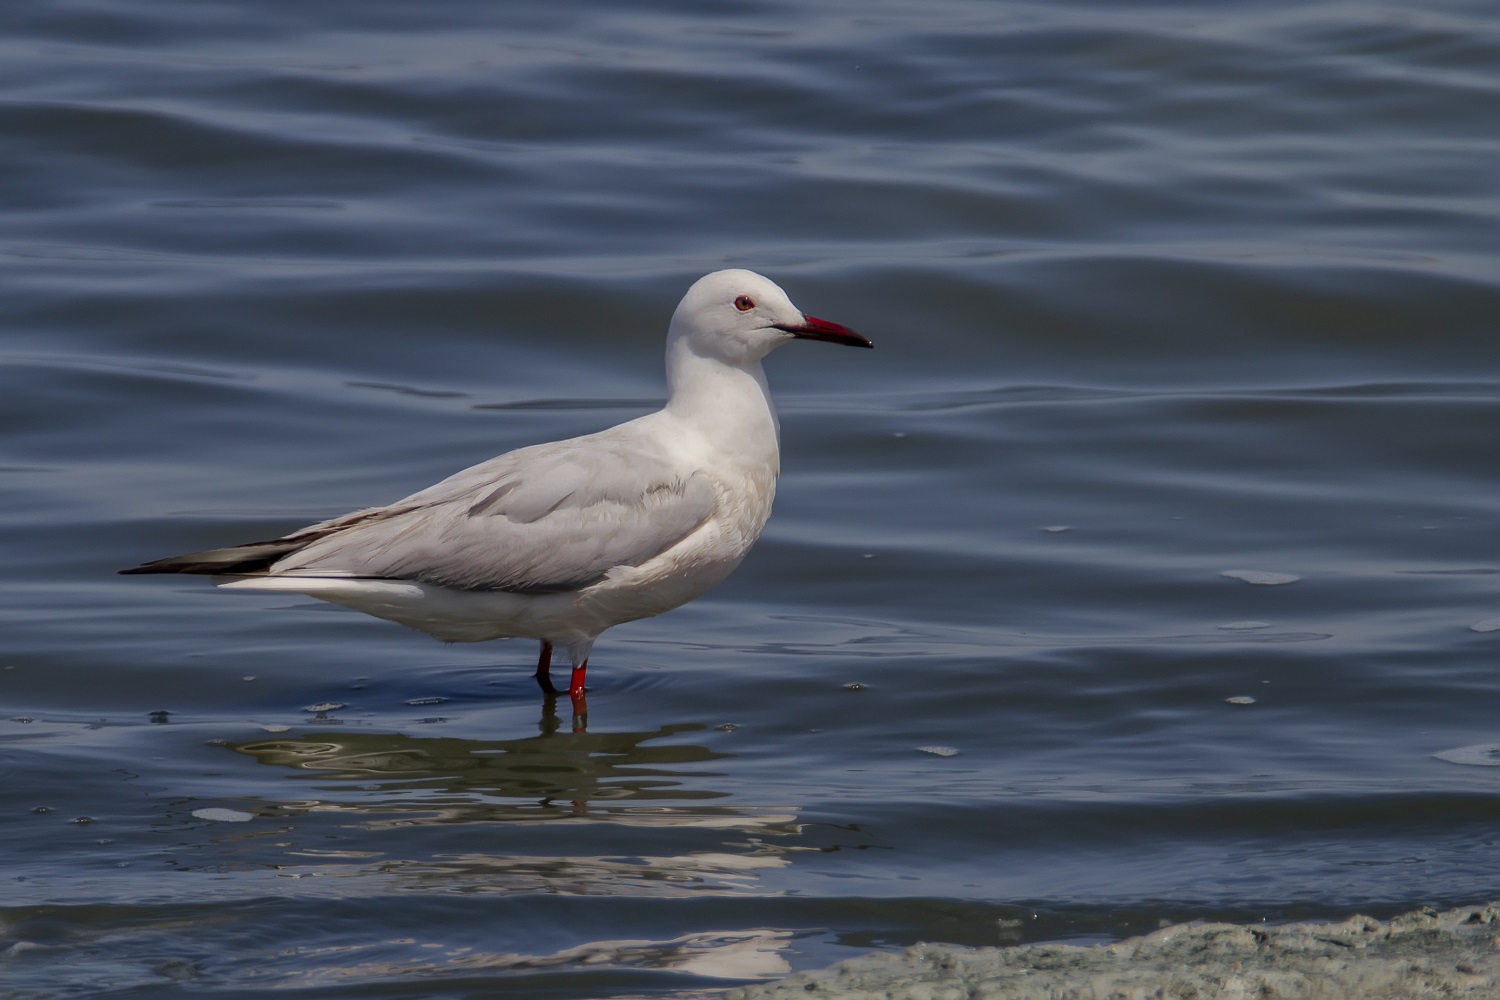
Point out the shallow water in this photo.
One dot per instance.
(1138, 575)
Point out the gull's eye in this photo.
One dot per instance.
(744, 303)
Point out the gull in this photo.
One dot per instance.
(560, 541)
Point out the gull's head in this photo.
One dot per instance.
(739, 317)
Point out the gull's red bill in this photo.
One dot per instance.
(813, 328)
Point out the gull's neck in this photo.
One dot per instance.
(729, 405)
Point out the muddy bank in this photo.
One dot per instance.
(1420, 954)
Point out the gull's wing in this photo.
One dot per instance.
(552, 517)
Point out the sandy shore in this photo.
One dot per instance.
(1421, 954)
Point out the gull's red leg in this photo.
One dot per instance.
(575, 683)
(580, 703)
(544, 669)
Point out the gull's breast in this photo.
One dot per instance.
(696, 563)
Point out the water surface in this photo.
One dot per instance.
(1138, 575)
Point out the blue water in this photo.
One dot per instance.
(1160, 293)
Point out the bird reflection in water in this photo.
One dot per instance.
(552, 722)
(637, 814)
(517, 779)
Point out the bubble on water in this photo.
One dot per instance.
(1244, 626)
(276, 728)
(219, 815)
(179, 969)
(1486, 625)
(1241, 699)
(325, 706)
(432, 700)
(940, 751)
(1260, 577)
(1478, 755)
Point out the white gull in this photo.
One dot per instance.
(560, 541)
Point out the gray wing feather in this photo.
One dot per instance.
(548, 518)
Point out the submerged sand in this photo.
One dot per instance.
(1421, 954)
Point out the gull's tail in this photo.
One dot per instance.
(236, 560)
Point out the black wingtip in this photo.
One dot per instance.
(237, 560)
(174, 565)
